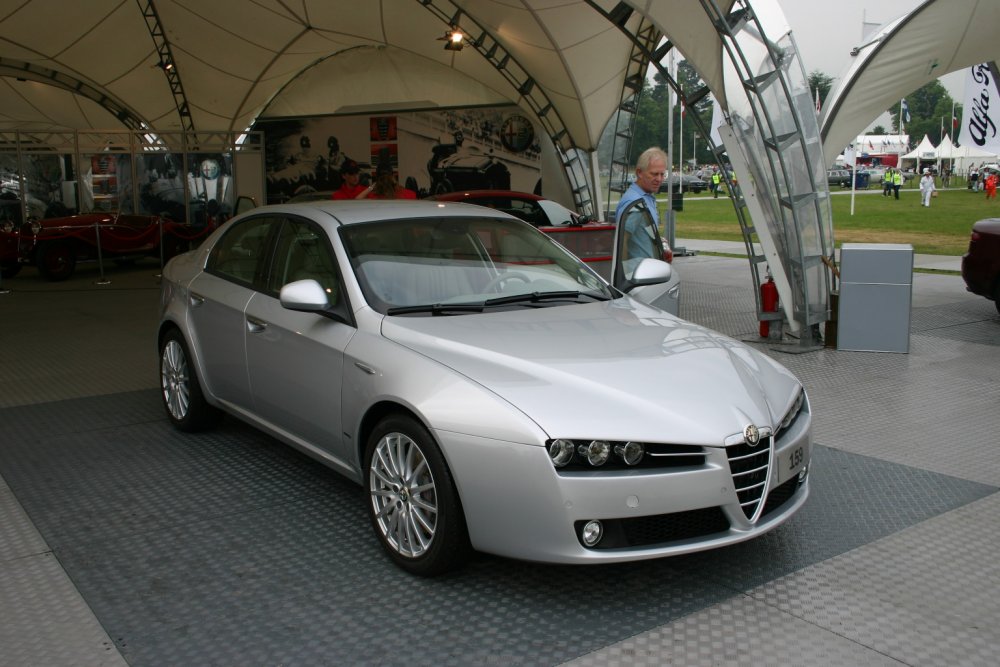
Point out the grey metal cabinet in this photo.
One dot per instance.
(876, 287)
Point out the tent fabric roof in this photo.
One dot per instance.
(938, 37)
(239, 60)
(925, 149)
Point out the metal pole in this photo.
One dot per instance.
(100, 258)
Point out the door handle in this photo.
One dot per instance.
(195, 299)
(255, 326)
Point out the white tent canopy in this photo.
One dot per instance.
(925, 150)
(933, 40)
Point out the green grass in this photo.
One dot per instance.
(942, 229)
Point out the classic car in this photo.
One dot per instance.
(55, 245)
(684, 183)
(485, 387)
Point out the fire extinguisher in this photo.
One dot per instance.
(768, 303)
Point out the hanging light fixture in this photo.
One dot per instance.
(453, 39)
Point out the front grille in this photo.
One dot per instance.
(661, 529)
(748, 466)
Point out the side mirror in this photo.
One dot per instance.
(651, 272)
(307, 296)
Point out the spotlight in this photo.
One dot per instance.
(453, 40)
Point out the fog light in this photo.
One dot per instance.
(597, 452)
(592, 533)
(803, 474)
(561, 452)
(631, 452)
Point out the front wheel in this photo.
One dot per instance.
(413, 505)
(56, 260)
(182, 396)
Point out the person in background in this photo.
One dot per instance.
(650, 170)
(897, 181)
(926, 188)
(716, 182)
(990, 183)
(887, 182)
(351, 186)
(385, 186)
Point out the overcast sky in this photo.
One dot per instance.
(825, 33)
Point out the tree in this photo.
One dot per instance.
(930, 109)
(878, 129)
(821, 82)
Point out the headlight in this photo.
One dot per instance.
(596, 453)
(571, 456)
(793, 412)
(561, 452)
(631, 452)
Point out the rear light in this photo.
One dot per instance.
(975, 236)
(668, 253)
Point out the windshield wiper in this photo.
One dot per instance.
(540, 297)
(437, 309)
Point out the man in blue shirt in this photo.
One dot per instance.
(650, 170)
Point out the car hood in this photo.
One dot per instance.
(616, 370)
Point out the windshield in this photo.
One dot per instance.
(462, 265)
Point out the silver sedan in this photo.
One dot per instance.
(487, 388)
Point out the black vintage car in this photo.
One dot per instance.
(687, 183)
(452, 169)
(841, 177)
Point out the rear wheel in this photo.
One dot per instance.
(56, 260)
(182, 396)
(413, 505)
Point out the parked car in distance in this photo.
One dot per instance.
(981, 264)
(56, 245)
(841, 177)
(683, 183)
(485, 388)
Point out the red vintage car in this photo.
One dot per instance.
(55, 245)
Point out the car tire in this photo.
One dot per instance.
(412, 501)
(56, 260)
(180, 388)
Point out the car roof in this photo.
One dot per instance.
(359, 211)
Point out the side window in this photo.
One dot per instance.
(638, 238)
(302, 252)
(242, 253)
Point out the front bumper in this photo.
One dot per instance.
(516, 505)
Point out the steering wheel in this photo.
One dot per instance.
(514, 275)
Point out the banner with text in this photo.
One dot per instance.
(981, 113)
